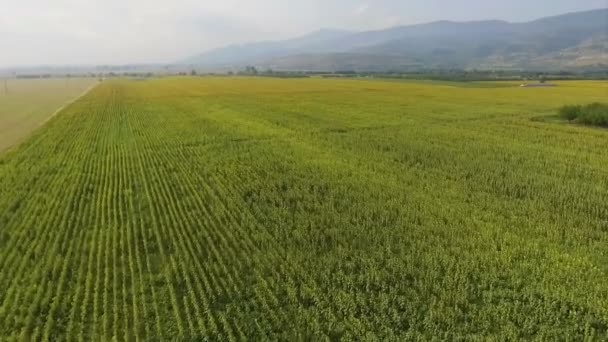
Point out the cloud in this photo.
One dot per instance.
(361, 9)
(117, 32)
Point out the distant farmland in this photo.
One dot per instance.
(262, 209)
(26, 103)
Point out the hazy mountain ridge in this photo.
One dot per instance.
(268, 49)
(575, 40)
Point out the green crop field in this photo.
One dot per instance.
(307, 209)
(26, 103)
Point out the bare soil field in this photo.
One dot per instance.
(25, 104)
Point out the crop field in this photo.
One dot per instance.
(26, 103)
(307, 209)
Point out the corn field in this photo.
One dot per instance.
(307, 209)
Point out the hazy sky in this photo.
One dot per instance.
(133, 31)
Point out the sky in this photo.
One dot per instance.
(61, 32)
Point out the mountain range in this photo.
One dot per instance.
(566, 42)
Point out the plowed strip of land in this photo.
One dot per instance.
(26, 104)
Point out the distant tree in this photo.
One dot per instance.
(542, 78)
(595, 114)
(193, 72)
(251, 70)
(570, 113)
